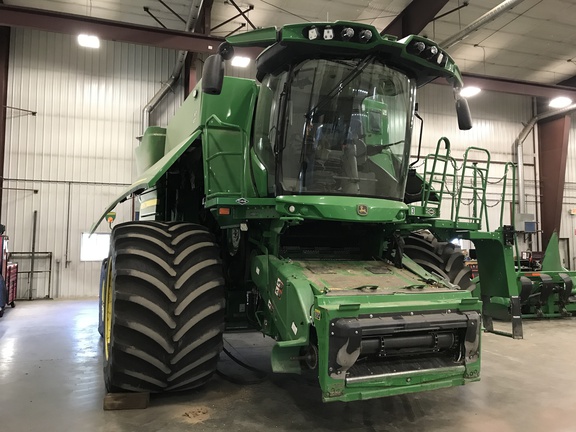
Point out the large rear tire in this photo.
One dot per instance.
(164, 307)
(442, 258)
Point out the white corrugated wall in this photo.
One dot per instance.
(77, 152)
(497, 121)
(568, 221)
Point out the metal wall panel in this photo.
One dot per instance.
(78, 150)
(568, 221)
(497, 120)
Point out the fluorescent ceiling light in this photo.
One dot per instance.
(560, 102)
(240, 61)
(88, 41)
(469, 91)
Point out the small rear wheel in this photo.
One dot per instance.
(164, 307)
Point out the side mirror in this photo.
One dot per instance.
(213, 74)
(463, 113)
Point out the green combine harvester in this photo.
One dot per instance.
(289, 205)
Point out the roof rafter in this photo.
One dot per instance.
(414, 17)
(40, 19)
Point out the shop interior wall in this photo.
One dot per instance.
(77, 151)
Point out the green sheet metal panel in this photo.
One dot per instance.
(150, 176)
(151, 149)
(233, 106)
(223, 148)
(345, 208)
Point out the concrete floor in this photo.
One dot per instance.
(51, 380)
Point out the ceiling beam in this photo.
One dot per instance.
(569, 82)
(13, 16)
(414, 18)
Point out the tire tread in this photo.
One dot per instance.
(169, 307)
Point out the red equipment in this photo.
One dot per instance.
(9, 273)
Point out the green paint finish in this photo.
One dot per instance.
(296, 33)
(233, 110)
(284, 353)
(398, 302)
(337, 388)
(233, 106)
(299, 299)
(296, 292)
(259, 173)
(251, 203)
(151, 175)
(455, 226)
(416, 211)
(450, 70)
(151, 148)
(375, 122)
(552, 260)
(341, 208)
(223, 159)
(260, 37)
(287, 298)
(250, 209)
(424, 381)
(497, 272)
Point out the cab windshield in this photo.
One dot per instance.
(336, 127)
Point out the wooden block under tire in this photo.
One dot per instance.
(126, 401)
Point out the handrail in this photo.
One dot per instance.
(428, 183)
(482, 172)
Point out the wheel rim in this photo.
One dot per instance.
(107, 310)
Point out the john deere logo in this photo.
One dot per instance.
(362, 209)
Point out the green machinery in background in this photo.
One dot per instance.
(508, 291)
(288, 204)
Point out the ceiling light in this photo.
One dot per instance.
(88, 41)
(469, 91)
(240, 61)
(560, 102)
